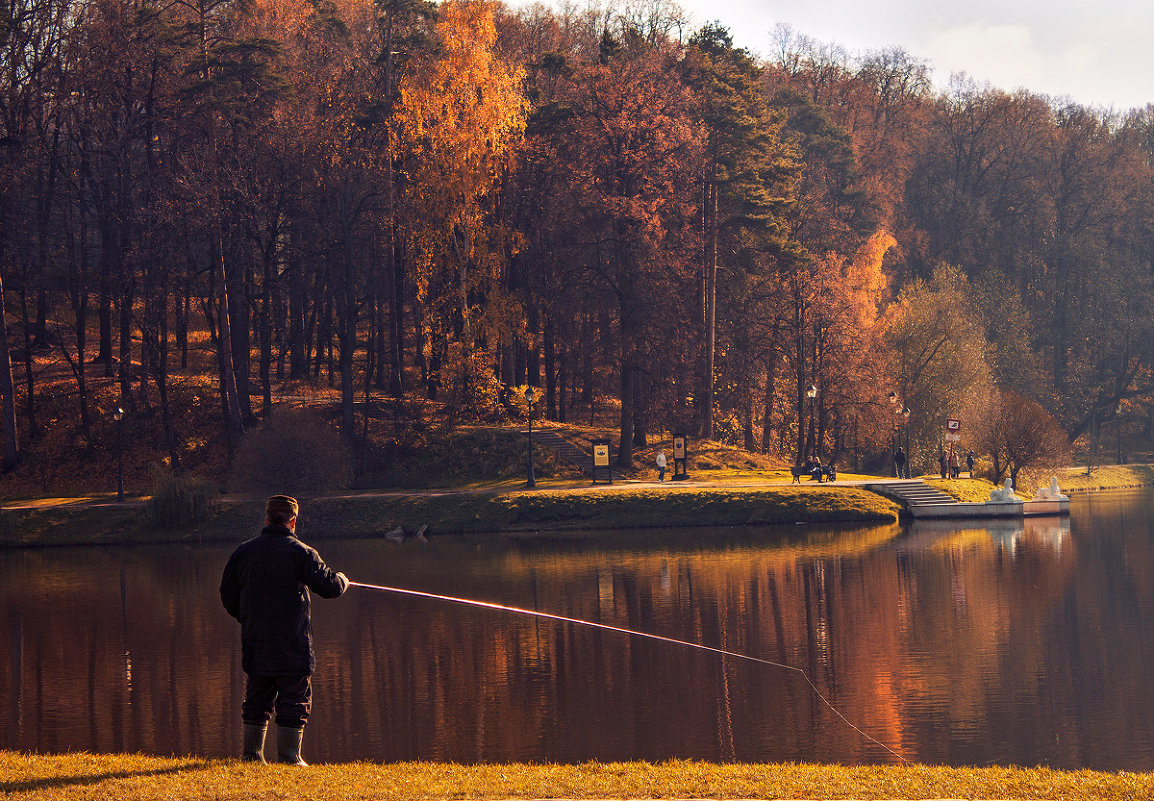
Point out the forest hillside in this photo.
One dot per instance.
(399, 215)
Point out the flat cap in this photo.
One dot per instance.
(281, 505)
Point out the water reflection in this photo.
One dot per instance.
(1002, 534)
(1019, 643)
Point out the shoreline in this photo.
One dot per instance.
(511, 512)
(563, 508)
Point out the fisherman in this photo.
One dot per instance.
(266, 587)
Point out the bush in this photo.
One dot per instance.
(180, 501)
(293, 452)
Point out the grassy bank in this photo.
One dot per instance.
(138, 778)
(760, 498)
(1104, 477)
(589, 508)
(1073, 479)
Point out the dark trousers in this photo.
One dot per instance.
(290, 696)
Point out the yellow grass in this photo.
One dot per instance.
(1107, 477)
(132, 778)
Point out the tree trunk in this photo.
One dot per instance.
(264, 331)
(104, 309)
(770, 395)
(625, 443)
(7, 391)
(562, 383)
(29, 372)
(298, 335)
(550, 371)
(240, 327)
(710, 309)
(230, 403)
(125, 345)
(347, 320)
(640, 409)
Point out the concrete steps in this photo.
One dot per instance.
(912, 493)
(554, 440)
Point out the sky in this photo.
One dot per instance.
(1093, 53)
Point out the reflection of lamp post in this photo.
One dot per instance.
(530, 396)
(811, 442)
(118, 416)
(906, 414)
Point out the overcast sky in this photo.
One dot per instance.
(1094, 53)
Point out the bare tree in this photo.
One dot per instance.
(1019, 434)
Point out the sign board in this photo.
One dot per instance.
(602, 470)
(679, 447)
(601, 454)
(953, 437)
(953, 425)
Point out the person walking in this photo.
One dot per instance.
(661, 463)
(952, 464)
(900, 461)
(970, 463)
(266, 586)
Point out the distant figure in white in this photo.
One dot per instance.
(1005, 494)
(1051, 493)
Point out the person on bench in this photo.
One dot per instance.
(813, 468)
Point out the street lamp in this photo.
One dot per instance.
(893, 399)
(811, 393)
(530, 396)
(906, 414)
(118, 416)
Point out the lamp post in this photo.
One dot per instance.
(906, 414)
(530, 396)
(893, 399)
(118, 416)
(811, 443)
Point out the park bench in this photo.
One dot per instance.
(821, 474)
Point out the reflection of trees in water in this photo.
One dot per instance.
(114, 650)
(947, 648)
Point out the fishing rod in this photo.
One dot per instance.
(633, 633)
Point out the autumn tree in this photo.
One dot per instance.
(1018, 434)
(629, 153)
(939, 352)
(748, 181)
(459, 111)
(34, 75)
(850, 355)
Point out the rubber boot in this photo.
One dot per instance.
(288, 746)
(254, 742)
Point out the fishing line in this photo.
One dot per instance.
(633, 633)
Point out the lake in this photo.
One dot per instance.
(999, 643)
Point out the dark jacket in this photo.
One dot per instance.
(266, 587)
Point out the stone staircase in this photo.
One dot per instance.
(912, 493)
(554, 440)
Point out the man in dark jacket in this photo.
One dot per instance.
(266, 587)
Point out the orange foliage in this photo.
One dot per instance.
(459, 114)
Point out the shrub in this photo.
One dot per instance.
(180, 501)
(293, 452)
